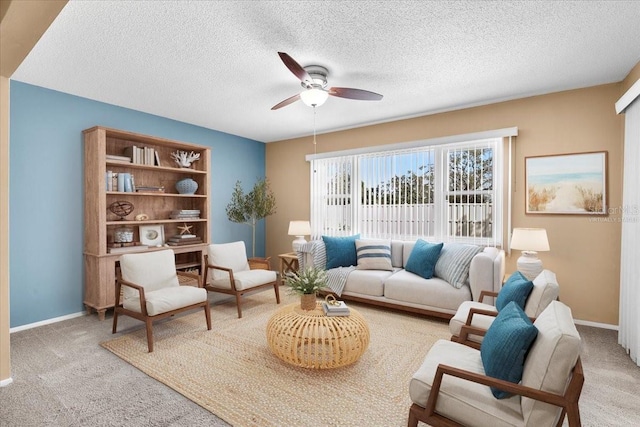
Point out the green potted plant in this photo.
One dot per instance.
(307, 283)
(252, 207)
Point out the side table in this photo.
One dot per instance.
(288, 264)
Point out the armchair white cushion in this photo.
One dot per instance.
(231, 255)
(545, 289)
(246, 279)
(152, 270)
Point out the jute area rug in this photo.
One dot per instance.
(231, 371)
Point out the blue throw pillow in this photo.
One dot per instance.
(423, 258)
(505, 346)
(517, 288)
(341, 251)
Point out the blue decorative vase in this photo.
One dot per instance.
(187, 186)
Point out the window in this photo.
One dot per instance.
(445, 192)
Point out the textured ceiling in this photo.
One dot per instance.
(215, 63)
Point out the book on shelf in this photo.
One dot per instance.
(122, 182)
(185, 214)
(336, 310)
(150, 189)
(125, 249)
(184, 242)
(186, 211)
(184, 236)
(142, 155)
(115, 158)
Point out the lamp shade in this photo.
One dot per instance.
(314, 97)
(530, 239)
(299, 228)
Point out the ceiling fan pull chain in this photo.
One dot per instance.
(315, 148)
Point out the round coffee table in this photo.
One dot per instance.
(310, 339)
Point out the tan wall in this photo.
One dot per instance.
(585, 255)
(22, 23)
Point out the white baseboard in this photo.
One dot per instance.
(595, 324)
(46, 322)
(4, 383)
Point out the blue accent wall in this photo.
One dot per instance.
(46, 191)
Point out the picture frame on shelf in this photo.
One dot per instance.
(573, 184)
(151, 235)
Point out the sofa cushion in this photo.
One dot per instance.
(407, 287)
(517, 288)
(545, 289)
(374, 254)
(367, 282)
(505, 346)
(453, 264)
(396, 253)
(423, 258)
(341, 251)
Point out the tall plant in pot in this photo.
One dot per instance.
(250, 208)
(307, 283)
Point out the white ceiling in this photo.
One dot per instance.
(215, 63)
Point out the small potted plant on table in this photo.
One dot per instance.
(306, 284)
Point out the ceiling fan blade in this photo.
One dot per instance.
(296, 68)
(350, 93)
(286, 102)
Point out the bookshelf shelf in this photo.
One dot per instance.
(155, 221)
(101, 223)
(182, 171)
(154, 194)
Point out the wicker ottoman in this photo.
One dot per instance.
(310, 339)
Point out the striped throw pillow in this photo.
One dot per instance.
(453, 264)
(374, 254)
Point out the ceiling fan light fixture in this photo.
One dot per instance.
(314, 97)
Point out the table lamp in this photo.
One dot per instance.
(530, 241)
(299, 229)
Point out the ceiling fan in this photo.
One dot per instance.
(313, 79)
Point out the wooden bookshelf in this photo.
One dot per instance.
(100, 223)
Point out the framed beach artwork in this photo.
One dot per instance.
(574, 184)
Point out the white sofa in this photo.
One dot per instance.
(401, 289)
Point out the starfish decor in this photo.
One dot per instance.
(185, 229)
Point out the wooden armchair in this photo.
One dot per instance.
(481, 314)
(228, 271)
(149, 288)
(451, 388)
